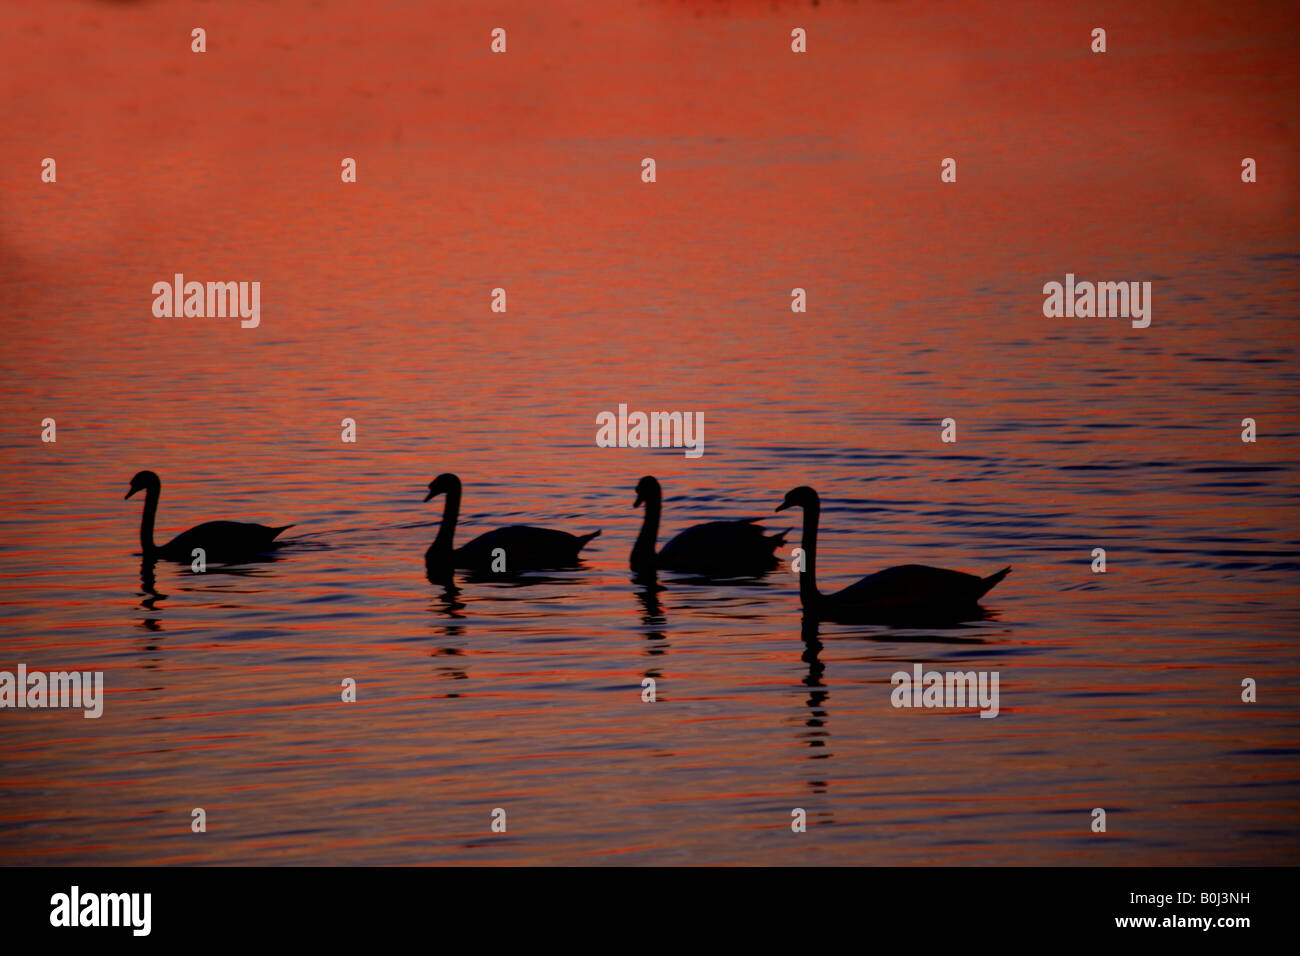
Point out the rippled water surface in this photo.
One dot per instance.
(1119, 690)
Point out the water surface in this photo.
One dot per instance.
(1118, 690)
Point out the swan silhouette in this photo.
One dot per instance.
(525, 548)
(221, 541)
(907, 592)
(715, 549)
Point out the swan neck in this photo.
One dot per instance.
(146, 520)
(450, 514)
(808, 593)
(643, 552)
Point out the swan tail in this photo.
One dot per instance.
(584, 539)
(276, 532)
(992, 580)
(778, 540)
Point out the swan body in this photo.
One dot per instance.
(221, 541)
(714, 549)
(526, 548)
(908, 591)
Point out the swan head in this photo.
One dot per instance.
(801, 497)
(143, 481)
(646, 489)
(441, 485)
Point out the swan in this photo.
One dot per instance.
(907, 591)
(526, 548)
(221, 541)
(716, 549)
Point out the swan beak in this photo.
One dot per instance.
(782, 506)
(130, 493)
(637, 503)
(428, 496)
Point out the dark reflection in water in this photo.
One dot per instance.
(817, 736)
(149, 584)
(653, 620)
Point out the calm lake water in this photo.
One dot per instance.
(1119, 690)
